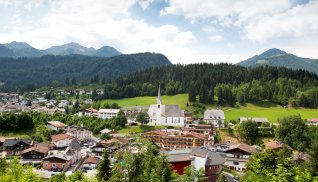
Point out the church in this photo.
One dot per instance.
(170, 115)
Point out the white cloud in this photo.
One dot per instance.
(215, 37)
(144, 4)
(298, 21)
(258, 20)
(97, 23)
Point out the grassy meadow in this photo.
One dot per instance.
(263, 109)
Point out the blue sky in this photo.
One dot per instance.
(186, 31)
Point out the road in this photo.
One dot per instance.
(230, 177)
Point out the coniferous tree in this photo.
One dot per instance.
(203, 94)
(103, 169)
(192, 94)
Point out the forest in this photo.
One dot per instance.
(226, 82)
(27, 74)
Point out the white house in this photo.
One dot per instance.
(55, 125)
(160, 114)
(215, 117)
(108, 113)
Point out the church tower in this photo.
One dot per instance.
(159, 98)
(159, 109)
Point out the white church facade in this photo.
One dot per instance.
(170, 115)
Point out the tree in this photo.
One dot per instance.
(190, 175)
(103, 169)
(94, 95)
(76, 176)
(192, 93)
(105, 136)
(142, 118)
(248, 130)
(203, 94)
(146, 165)
(60, 177)
(275, 166)
(292, 130)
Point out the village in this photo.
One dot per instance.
(184, 141)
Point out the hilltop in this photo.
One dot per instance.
(23, 49)
(278, 58)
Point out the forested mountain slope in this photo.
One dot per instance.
(228, 82)
(48, 70)
(279, 58)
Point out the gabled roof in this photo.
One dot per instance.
(74, 128)
(74, 145)
(11, 142)
(196, 135)
(38, 148)
(275, 145)
(57, 124)
(59, 137)
(243, 147)
(173, 111)
(214, 159)
(92, 160)
(59, 156)
(214, 114)
(257, 120)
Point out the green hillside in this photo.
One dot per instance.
(279, 58)
(264, 109)
(31, 73)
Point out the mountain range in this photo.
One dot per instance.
(279, 58)
(23, 49)
(29, 73)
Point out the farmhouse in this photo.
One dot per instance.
(160, 114)
(259, 121)
(38, 151)
(91, 162)
(215, 117)
(238, 155)
(14, 147)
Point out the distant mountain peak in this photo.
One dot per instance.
(272, 52)
(17, 45)
(278, 58)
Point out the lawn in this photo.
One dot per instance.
(23, 134)
(180, 99)
(270, 111)
(263, 109)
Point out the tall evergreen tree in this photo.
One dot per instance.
(103, 169)
(203, 94)
(192, 93)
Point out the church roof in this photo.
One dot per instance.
(173, 111)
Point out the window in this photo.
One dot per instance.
(235, 163)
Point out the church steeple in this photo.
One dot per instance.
(159, 96)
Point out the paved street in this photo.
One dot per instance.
(229, 177)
